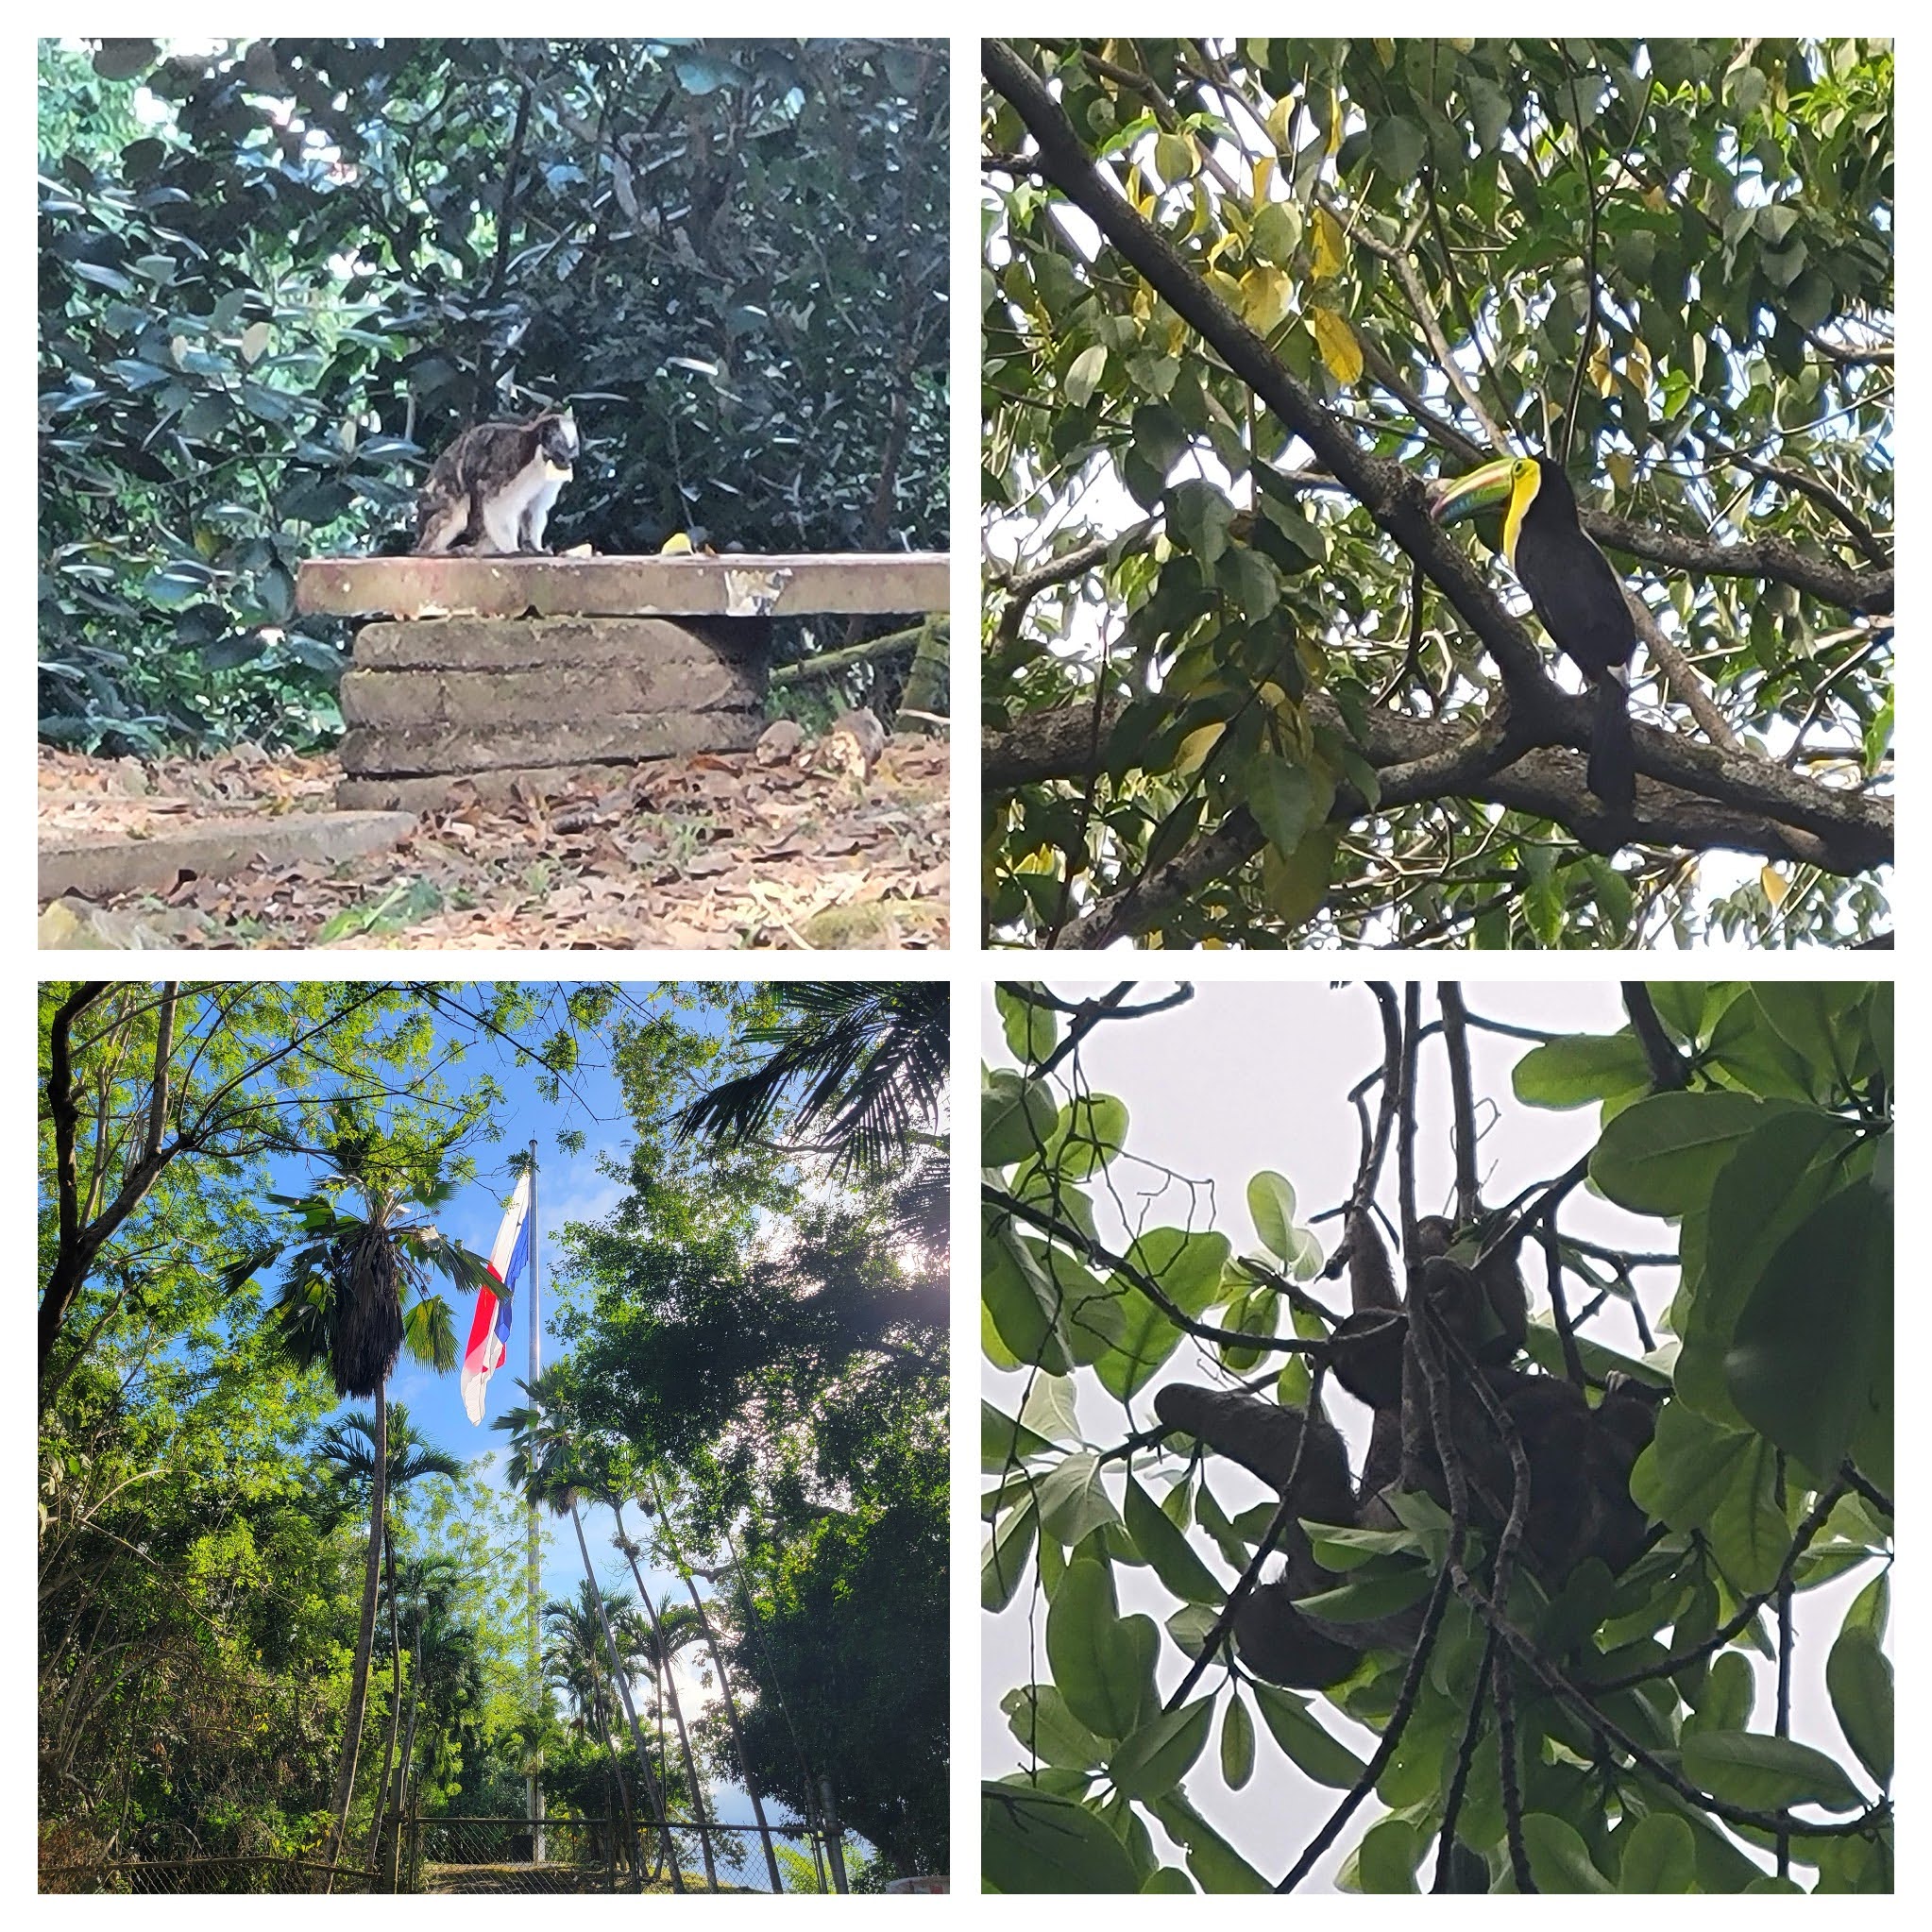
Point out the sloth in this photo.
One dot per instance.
(1579, 1457)
(490, 493)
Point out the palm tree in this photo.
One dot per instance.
(542, 1465)
(872, 1060)
(578, 1664)
(664, 1646)
(654, 1502)
(348, 1446)
(342, 1303)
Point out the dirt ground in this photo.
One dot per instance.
(713, 851)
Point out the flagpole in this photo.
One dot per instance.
(534, 1620)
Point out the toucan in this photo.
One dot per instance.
(1574, 592)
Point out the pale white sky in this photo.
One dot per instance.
(1250, 1077)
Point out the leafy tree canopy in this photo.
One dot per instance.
(276, 275)
(1593, 1727)
(1242, 297)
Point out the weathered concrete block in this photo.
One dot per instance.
(509, 700)
(544, 644)
(428, 749)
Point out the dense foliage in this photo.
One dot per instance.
(202, 1536)
(775, 1395)
(277, 274)
(1241, 297)
(1593, 1728)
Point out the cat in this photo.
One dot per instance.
(491, 491)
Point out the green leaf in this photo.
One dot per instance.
(1859, 1675)
(1237, 1744)
(1090, 1131)
(1215, 1864)
(1766, 1773)
(1271, 1207)
(1581, 1071)
(1659, 1855)
(1051, 1410)
(1200, 516)
(1002, 1565)
(1172, 1557)
(1399, 145)
(1155, 1759)
(1173, 158)
(1662, 1155)
(1283, 799)
(1559, 1859)
(1388, 1856)
(1730, 1689)
(1033, 1842)
(1002, 1440)
(1073, 1499)
(1187, 1267)
(1101, 1662)
(1030, 1032)
(1169, 1878)
(1016, 1118)
(1320, 1757)
(1023, 1304)
(1038, 1715)
(1276, 233)
(1810, 1362)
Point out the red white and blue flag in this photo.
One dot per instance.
(490, 1332)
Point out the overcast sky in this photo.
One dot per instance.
(1250, 1076)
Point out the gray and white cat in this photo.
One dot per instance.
(491, 492)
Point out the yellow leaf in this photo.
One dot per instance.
(1267, 295)
(1775, 885)
(1280, 119)
(1295, 886)
(1223, 285)
(1636, 366)
(1194, 747)
(1041, 859)
(1328, 254)
(255, 340)
(1264, 177)
(1385, 51)
(1274, 697)
(1341, 354)
(1335, 120)
(1656, 200)
(1623, 467)
(677, 546)
(1601, 374)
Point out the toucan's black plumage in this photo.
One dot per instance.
(1575, 593)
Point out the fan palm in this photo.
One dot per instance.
(543, 1465)
(354, 1293)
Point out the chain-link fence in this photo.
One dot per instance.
(571, 1854)
(171, 1863)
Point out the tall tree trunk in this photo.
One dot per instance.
(400, 1800)
(623, 1684)
(384, 1827)
(625, 1544)
(365, 1643)
(737, 1736)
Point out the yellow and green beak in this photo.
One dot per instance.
(1511, 481)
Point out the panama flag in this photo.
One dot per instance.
(490, 1331)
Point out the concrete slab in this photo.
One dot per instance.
(97, 868)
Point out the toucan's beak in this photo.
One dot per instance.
(1481, 490)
